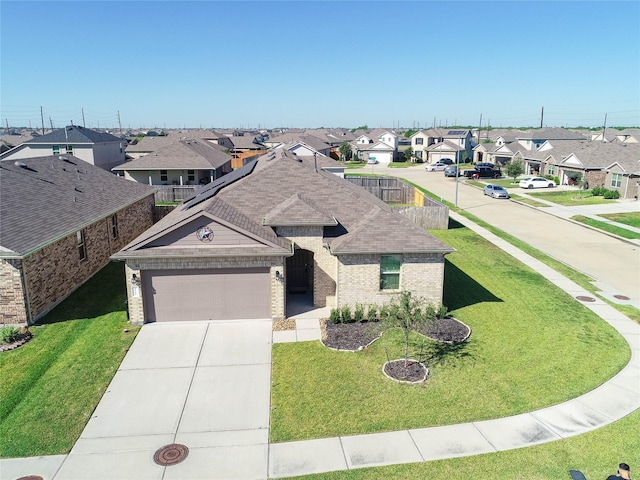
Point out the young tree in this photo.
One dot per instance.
(409, 313)
(514, 168)
(345, 151)
(408, 155)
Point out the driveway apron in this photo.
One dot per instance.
(202, 385)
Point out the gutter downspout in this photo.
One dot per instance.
(23, 280)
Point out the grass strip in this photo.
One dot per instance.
(630, 218)
(606, 227)
(571, 197)
(51, 385)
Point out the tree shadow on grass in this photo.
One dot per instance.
(460, 290)
(103, 293)
(452, 354)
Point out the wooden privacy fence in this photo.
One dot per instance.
(173, 193)
(406, 200)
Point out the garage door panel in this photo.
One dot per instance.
(212, 294)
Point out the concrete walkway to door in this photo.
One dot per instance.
(204, 385)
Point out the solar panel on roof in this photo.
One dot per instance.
(455, 132)
(214, 187)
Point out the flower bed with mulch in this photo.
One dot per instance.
(21, 338)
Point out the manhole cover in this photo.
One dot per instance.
(621, 297)
(31, 477)
(582, 298)
(170, 454)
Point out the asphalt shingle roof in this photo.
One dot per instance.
(196, 154)
(75, 134)
(48, 198)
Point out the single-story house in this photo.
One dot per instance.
(101, 149)
(182, 162)
(61, 219)
(281, 225)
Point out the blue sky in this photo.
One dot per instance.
(320, 63)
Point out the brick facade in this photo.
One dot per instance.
(54, 271)
(324, 264)
(359, 279)
(12, 299)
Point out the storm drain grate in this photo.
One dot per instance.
(582, 298)
(621, 297)
(171, 454)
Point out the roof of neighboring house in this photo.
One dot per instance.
(289, 138)
(46, 198)
(600, 155)
(551, 133)
(445, 145)
(284, 189)
(247, 142)
(195, 154)
(75, 134)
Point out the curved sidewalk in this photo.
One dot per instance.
(609, 402)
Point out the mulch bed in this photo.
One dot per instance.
(356, 336)
(23, 337)
(412, 372)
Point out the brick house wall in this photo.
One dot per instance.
(56, 270)
(359, 279)
(135, 296)
(324, 264)
(12, 298)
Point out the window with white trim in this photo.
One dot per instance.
(56, 149)
(163, 175)
(114, 226)
(82, 249)
(70, 149)
(191, 175)
(390, 272)
(419, 140)
(616, 180)
(551, 168)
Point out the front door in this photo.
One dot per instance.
(300, 272)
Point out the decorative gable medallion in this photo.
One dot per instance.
(204, 234)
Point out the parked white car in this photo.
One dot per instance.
(536, 182)
(435, 167)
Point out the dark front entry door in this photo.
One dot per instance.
(300, 272)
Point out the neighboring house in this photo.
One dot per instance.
(97, 148)
(182, 162)
(533, 139)
(245, 147)
(433, 144)
(379, 145)
(278, 226)
(60, 221)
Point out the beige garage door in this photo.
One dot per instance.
(187, 295)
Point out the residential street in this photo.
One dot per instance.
(614, 264)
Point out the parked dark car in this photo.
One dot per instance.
(483, 172)
(446, 161)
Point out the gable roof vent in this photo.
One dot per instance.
(21, 164)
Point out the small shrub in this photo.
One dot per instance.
(442, 312)
(548, 177)
(9, 334)
(556, 180)
(611, 194)
(598, 191)
(358, 313)
(372, 313)
(346, 314)
(334, 316)
(384, 310)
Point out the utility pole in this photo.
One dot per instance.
(604, 127)
(51, 123)
(7, 122)
(119, 123)
(42, 119)
(479, 128)
(83, 124)
(541, 117)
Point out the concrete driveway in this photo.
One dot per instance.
(203, 385)
(612, 263)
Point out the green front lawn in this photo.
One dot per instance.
(520, 323)
(607, 227)
(505, 182)
(51, 385)
(569, 197)
(631, 218)
(353, 165)
(528, 201)
(596, 454)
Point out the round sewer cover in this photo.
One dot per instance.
(621, 297)
(31, 477)
(585, 299)
(171, 454)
